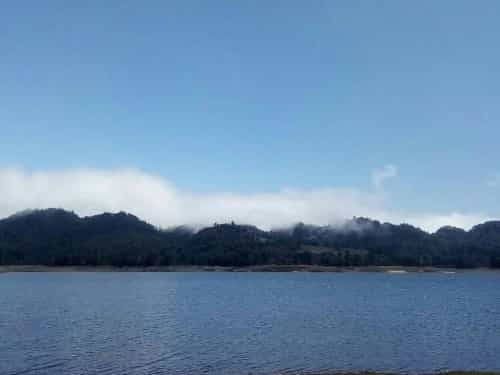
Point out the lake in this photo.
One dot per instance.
(240, 323)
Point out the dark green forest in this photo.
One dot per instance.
(56, 237)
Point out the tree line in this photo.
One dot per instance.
(56, 237)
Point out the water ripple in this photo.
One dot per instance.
(216, 323)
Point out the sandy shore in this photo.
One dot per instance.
(263, 268)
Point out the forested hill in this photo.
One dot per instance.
(58, 237)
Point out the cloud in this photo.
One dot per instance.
(158, 201)
(493, 181)
(380, 176)
(433, 222)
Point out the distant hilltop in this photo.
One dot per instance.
(56, 237)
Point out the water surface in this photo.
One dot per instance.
(236, 323)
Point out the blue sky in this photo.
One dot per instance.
(255, 97)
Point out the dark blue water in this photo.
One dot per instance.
(236, 323)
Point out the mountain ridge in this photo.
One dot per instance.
(58, 237)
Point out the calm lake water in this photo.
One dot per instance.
(237, 323)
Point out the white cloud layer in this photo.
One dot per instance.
(156, 200)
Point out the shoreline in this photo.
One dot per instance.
(454, 372)
(259, 268)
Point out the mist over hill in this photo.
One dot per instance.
(58, 237)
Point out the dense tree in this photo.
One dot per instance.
(58, 237)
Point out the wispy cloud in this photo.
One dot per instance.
(380, 176)
(493, 181)
(158, 201)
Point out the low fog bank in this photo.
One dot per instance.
(156, 200)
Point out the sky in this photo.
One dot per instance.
(263, 112)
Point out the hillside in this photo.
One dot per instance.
(58, 237)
